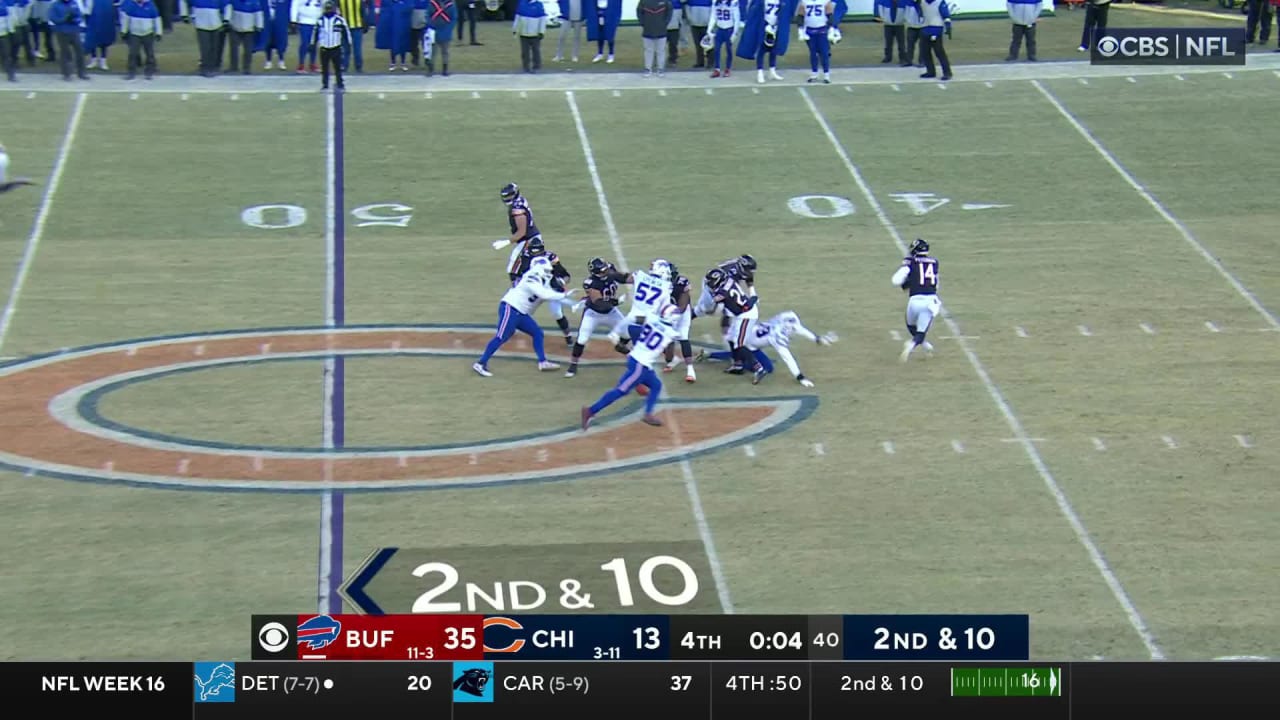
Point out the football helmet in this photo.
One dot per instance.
(598, 267)
(919, 247)
(716, 278)
(534, 247)
(509, 193)
(669, 314)
(747, 263)
(661, 268)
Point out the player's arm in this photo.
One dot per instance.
(521, 219)
(732, 305)
(597, 302)
(624, 278)
(806, 333)
(547, 293)
(900, 276)
(682, 303)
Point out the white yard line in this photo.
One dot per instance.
(42, 217)
(1015, 424)
(686, 469)
(329, 603)
(1159, 207)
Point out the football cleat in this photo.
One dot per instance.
(481, 370)
(758, 375)
(907, 347)
(586, 417)
(689, 375)
(652, 420)
(548, 365)
(572, 371)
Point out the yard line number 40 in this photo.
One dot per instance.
(283, 217)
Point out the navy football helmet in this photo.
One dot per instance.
(919, 247)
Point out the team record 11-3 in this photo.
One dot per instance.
(458, 667)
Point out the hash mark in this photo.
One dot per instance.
(257, 463)
(1244, 441)
(266, 348)
(818, 449)
(472, 459)
(543, 454)
(133, 96)
(395, 344)
(662, 93)
(234, 96)
(848, 88)
(457, 342)
(611, 454)
(283, 96)
(1178, 77)
(1228, 75)
(524, 94)
(183, 465)
(1022, 332)
(1147, 328)
(895, 334)
(1169, 442)
(706, 337)
(888, 447)
(382, 96)
(755, 91)
(710, 91)
(199, 349)
(131, 351)
(617, 93)
(426, 96)
(1099, 445)
(942, 86)
(895, 87)
(1132, 79)
(108, 466)
(31, 96)
(403, 461)
(957, 446)
(1084, 81)
(1211, 327)
(749, 450)
(1084, 330)
(989, 84)
(475, 95)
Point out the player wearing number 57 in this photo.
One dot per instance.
(654, 337)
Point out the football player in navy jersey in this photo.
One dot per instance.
(560, 277)
(682, 298)
(918, 276)
(602, 299)
(520, 218)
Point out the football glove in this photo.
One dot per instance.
(801, 33)
(614, 338)
(827, 338)
(499, 244)
(833, 36)
(806, 382)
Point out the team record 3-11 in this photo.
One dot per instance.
(645, 666)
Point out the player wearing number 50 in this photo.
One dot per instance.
(515, 312)
(654, 337)
(919, 277)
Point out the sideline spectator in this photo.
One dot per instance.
(698, 13)
(65, 17)
(443, 15)
(208, 16)
(915, 25)
(654, 16)
(571, 23)
(141, 27)
(766, 34)
(1024, 14)
(892, 14)
(725, 19)
(100, 31)
(815, 24)
(937, 21)
(603, 17)
(360, 16)
(246, 24)
(469, 13)
(20, 31)
(305, 14)
(1260, 13)
(275, 33)
(6, 37)
(417, 28)
(40, 26)
(331, 37)
(673, 32)
(392, 33)
(1095, 22)
(530, 25)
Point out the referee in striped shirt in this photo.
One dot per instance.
(331, 37)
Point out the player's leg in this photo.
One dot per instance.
(529, 326)
(654, 384)
(587, 326)
(742, 332)
(513, 261)
(630, 377)
(918, 318)
(506, 328)
(562, 322)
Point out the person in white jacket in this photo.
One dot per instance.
(305, 14)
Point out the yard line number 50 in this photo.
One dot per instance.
(283, 217)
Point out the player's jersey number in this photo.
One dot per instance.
(928, 273)
(651, 338)
(647, 294)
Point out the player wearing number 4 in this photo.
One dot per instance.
(515, 312)
(919, 277)
(657, 333)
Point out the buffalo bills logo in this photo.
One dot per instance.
(318, 632)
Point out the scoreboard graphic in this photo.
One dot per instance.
(684, 667)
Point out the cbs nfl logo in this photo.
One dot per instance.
(1174, 46)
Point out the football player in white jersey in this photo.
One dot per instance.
(918, 276)
(515, 312)
(776, 333)
(657, 333)
(814, 28)
(650, 290)
(5, 183)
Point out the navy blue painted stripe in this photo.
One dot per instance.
(339, 315)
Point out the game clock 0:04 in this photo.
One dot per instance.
(776, 641)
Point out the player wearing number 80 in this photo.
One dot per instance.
(657, 333)
(919, 277)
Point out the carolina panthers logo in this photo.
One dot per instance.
(472, 682)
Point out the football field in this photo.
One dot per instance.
(283, 309)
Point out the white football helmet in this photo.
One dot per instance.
(539, 269)
(661, 268)
(669, 314)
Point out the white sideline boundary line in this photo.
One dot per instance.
(42, 217)
(1158, 206)
(686, 469)
(328, 603)
(1028, 446)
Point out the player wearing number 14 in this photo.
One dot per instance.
(918, 276)
(658, 332)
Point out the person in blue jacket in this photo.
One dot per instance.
(274, 37)
(766, 34)
(100, 31)
(602, 17)
(66, 19)
(442, 17)
(392, 34)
